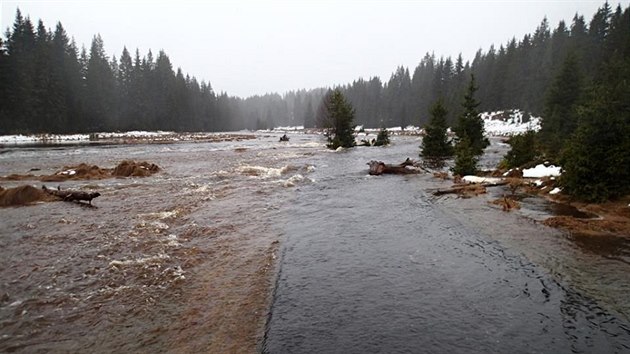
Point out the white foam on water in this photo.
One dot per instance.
(140, 261)
(310, 144)
(295, 180)
(172, 241)
(160, 215)
(262, 172)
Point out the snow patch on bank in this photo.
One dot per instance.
(289, 128)
(28, 139)
(509, 122)
(477, 179)
(542, 171)
(555, 191)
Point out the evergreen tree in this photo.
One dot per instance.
(469, 124)
(309, 116)
(99, 83)
(323, 118)
(561, 108)
(465, 158)
(397, 93)
(523, 150)
(125, 83)
(596, 161)
(4, 87)
(598, 31)
(46, 90)
(21, 100)
(67, 72)
(341, 115)
(436, 147)
(382, 138)
(470, 141)
(163, 92)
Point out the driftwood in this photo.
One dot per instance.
(469, 188)
(71, 196)
(379, 168)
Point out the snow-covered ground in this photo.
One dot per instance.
(510, 122)
(153, 136)
(477, 179)
(60, 138)
(542, 171)
(26, 139)
(289, 128)
(499, 123)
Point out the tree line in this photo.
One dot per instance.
(517, 74)
(48, 84)
(585, 125)
(586, 115)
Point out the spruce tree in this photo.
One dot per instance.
(561, 108)
(124, 83)
(470, 141)
(523, 150)
(341, 115)
(309, 116)
(21, 100)
(436, 146)
(4, 91)
(382, 138)
(469, 123)
(99, 87)
(465, 158)
(596, 161)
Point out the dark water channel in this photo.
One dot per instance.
(378, 265)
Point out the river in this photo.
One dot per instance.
(236, 237)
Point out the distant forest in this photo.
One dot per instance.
(49, 85)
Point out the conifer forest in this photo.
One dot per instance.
(50, 84)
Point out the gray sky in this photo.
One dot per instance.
(255, 47)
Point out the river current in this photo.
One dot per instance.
(365, 264)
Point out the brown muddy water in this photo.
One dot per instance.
(187, 260)
(182, 261)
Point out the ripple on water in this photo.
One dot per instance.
(375, 265)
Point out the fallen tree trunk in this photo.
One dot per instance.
(71, 196)
(469, 188)
(379, 168)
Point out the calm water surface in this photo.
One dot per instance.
(377, 264)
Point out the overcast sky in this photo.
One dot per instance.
(255, 47)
